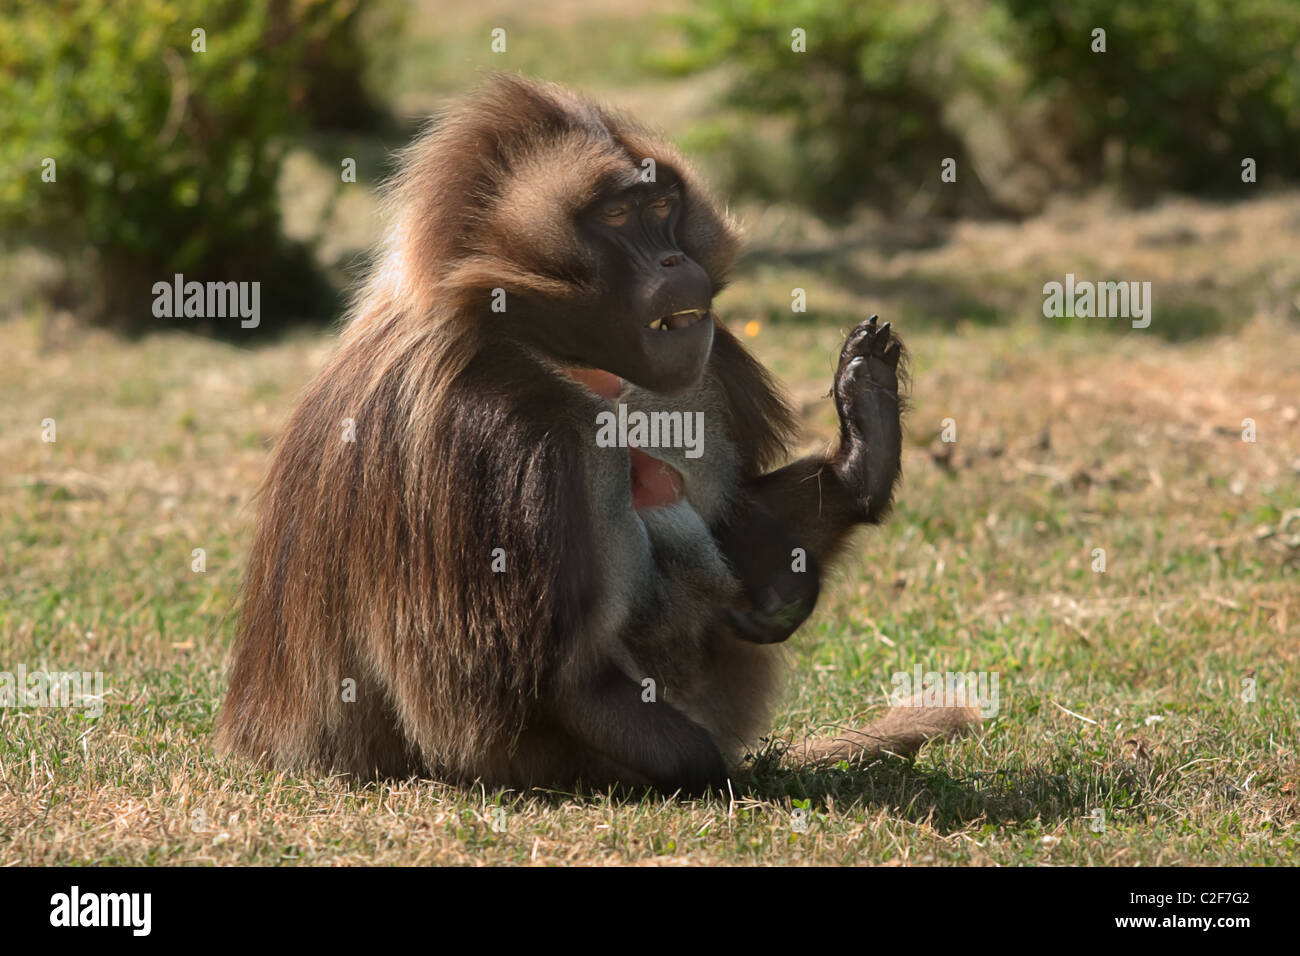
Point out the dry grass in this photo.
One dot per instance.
(1120, 693)
(1122, 736)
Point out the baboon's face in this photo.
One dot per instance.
(655, 327)
(645, 315)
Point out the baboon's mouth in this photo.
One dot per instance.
(678, 320)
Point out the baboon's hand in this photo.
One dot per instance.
(872, 349)
(866, 397)
(779, 590)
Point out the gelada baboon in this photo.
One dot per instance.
(454, 576)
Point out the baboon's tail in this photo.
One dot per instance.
(902, 731)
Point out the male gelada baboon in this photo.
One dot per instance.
(453, 576)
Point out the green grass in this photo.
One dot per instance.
(986, 566)
(1121, 737)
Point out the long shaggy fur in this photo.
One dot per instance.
(371, 560)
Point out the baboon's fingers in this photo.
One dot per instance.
(902, 731)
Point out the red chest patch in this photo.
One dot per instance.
(655, 483)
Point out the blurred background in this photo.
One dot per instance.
(226, 163)
(1165, 150)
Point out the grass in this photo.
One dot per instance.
(1125, 731)
(1121, 736)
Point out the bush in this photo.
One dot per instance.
(341, 66)
(1009, 88)
(883, 90)
(165, 159)
(1185, 90)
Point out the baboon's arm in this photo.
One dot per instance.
(821, 498)
(813, 503)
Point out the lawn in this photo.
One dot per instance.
(1145, 714)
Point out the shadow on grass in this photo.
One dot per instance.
(943, 799)
(948, 801)
(985, 297)
(921, 299)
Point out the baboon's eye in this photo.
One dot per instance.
(663, 206)
(615, 215)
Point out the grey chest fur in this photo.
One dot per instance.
(663, 576)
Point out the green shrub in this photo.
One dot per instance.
(883, 91)
(1010, 89)
(166, 159)
(344, 64)
(1185, 89)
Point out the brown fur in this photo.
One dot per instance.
(371, 558)
(902, 730)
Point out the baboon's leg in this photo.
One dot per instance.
(654, 742)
